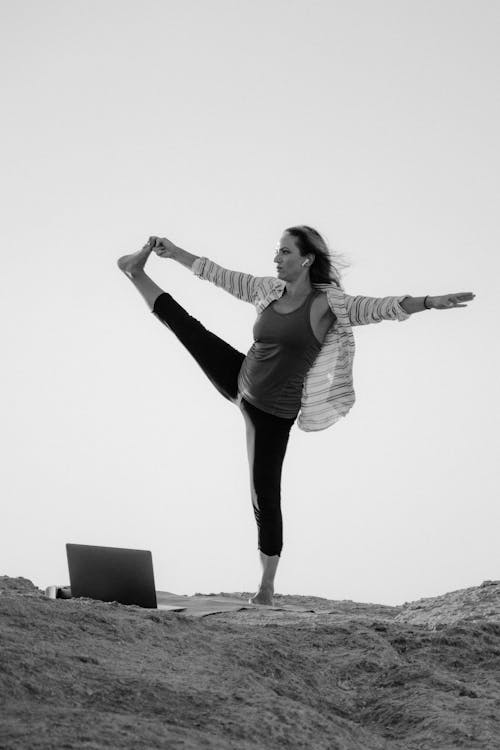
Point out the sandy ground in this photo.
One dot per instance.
(79, 673)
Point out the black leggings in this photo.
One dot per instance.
(267, 435)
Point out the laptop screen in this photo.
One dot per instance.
(112, 574)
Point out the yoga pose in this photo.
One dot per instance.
(299, 366)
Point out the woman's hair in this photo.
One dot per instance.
(325, 268)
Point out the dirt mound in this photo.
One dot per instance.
(79, 673)
(476, 604)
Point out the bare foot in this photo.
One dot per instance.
(135, 262)
(263, 596)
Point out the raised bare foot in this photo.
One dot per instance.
(263, 596)
(135, 262)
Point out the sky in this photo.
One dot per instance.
(217, 125)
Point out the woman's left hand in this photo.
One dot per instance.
(446, 301)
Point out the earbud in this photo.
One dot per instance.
(304, 263)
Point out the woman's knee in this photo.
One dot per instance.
(272, 551)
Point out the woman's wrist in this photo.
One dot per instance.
(182, 256)
(416, 304)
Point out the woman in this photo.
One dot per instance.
(299, 366)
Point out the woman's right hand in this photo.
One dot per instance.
(163, 247)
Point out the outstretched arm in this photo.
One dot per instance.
(244, 286)
(443, 302)
(364, 310)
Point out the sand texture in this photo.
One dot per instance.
(316, 674)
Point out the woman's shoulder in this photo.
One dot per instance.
(330, 291)
(270, 284)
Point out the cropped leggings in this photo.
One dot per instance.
(266, 435)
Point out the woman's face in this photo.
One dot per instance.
(289, 260)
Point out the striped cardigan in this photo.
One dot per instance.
(328, 392)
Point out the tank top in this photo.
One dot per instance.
(273, 371)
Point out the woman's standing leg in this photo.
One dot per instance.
(267, 440)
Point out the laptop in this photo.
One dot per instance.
(112, 574)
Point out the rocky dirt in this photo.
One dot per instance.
(80, 673)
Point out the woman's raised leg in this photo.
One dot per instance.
(219, 361)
